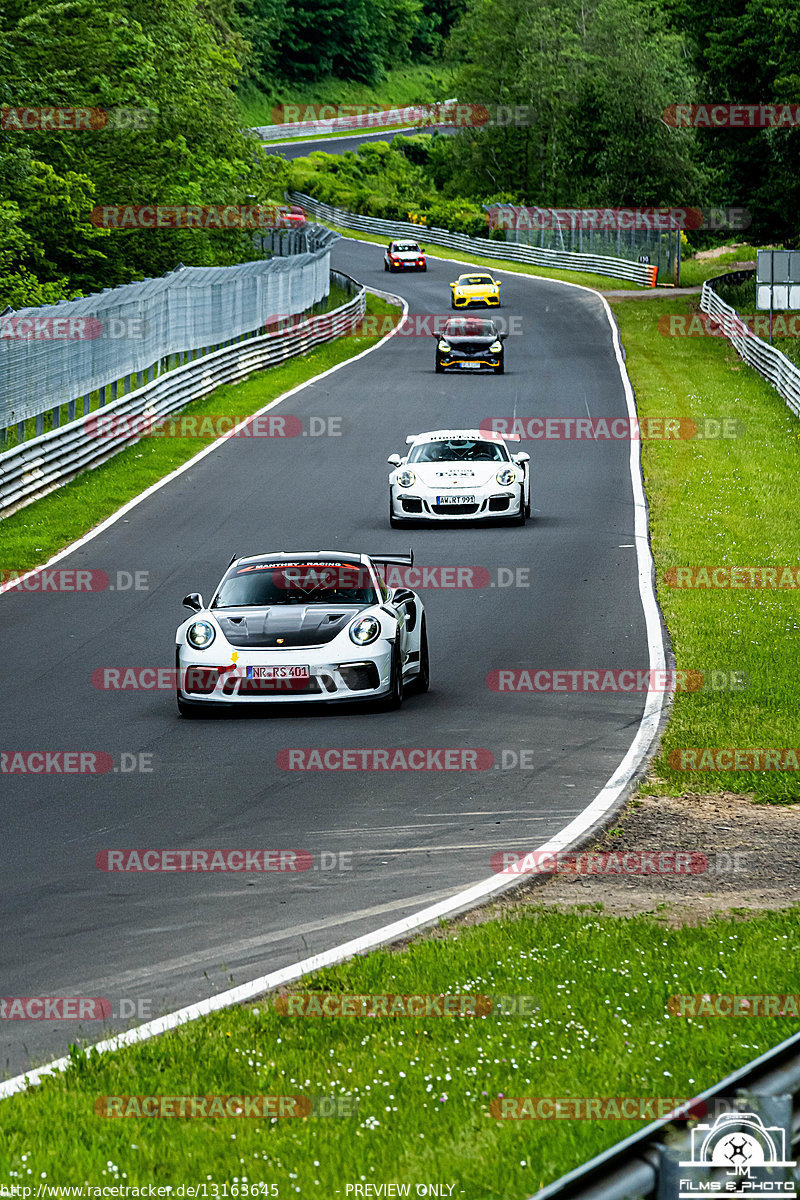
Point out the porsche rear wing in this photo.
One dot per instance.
(398, 560)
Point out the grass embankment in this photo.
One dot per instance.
(724, 501)
(35, 533)
(424, 1085)
(423, 84)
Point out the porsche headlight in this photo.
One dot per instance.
(506, 478)
(200, 635)
(365, 631)
(406, 478)
(496, 347)
(443, 345)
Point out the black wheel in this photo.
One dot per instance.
(425, 268)
(452, 302)
(395, 697)
(385, 265)
(500, 368)
(439, 368)
(393, 521)
(423, 680)
(528, 509)
(520, 518)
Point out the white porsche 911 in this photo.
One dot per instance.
(459, 475)
(302, 628)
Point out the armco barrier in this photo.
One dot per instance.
(564, 260)
(769, 362)
(411, 115)
(37, 467)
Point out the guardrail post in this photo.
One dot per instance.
(71, 410)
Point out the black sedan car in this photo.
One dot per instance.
(469, 343)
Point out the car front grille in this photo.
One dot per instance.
(458, 510)
(361, 677)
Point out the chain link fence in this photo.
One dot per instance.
(84, 353)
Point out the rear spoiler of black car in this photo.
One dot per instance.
(400, 560)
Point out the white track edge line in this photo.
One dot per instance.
(480, 892)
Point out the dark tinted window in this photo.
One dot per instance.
(469, 327)
(459, 450)
(296, 583)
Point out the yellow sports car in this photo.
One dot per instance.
(475, 291)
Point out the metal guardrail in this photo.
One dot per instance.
(45, 463)
(60, 359)
(769, 362)
(565, 260)
(413, 114)
(646, 1165)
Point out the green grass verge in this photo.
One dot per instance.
(32, 535)
(423, 1085)
(598, 282)
(695, 271)
(420, 84)
(726, 501)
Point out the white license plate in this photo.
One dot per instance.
(471, 364)
(300, 673)
(455, 500)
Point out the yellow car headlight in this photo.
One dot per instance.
(496, 347)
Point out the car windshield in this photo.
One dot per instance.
(473, 279)
(404, 246)
(299, 582)
(470, 327)
(459, 450)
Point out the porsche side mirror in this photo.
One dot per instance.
(194, 601)
(402, 596)
(503, 335)
(521, 458)
(498, 282)
(394, 460)
(454, 283)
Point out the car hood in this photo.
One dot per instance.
(285, 626)
(475, 289)
(467, 342)
(456, 475)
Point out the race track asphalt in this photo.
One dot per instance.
(168, 939)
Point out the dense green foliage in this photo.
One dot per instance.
(168, 59)
(592, 80)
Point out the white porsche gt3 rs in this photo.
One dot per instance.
(459, 475)
(302, 628)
